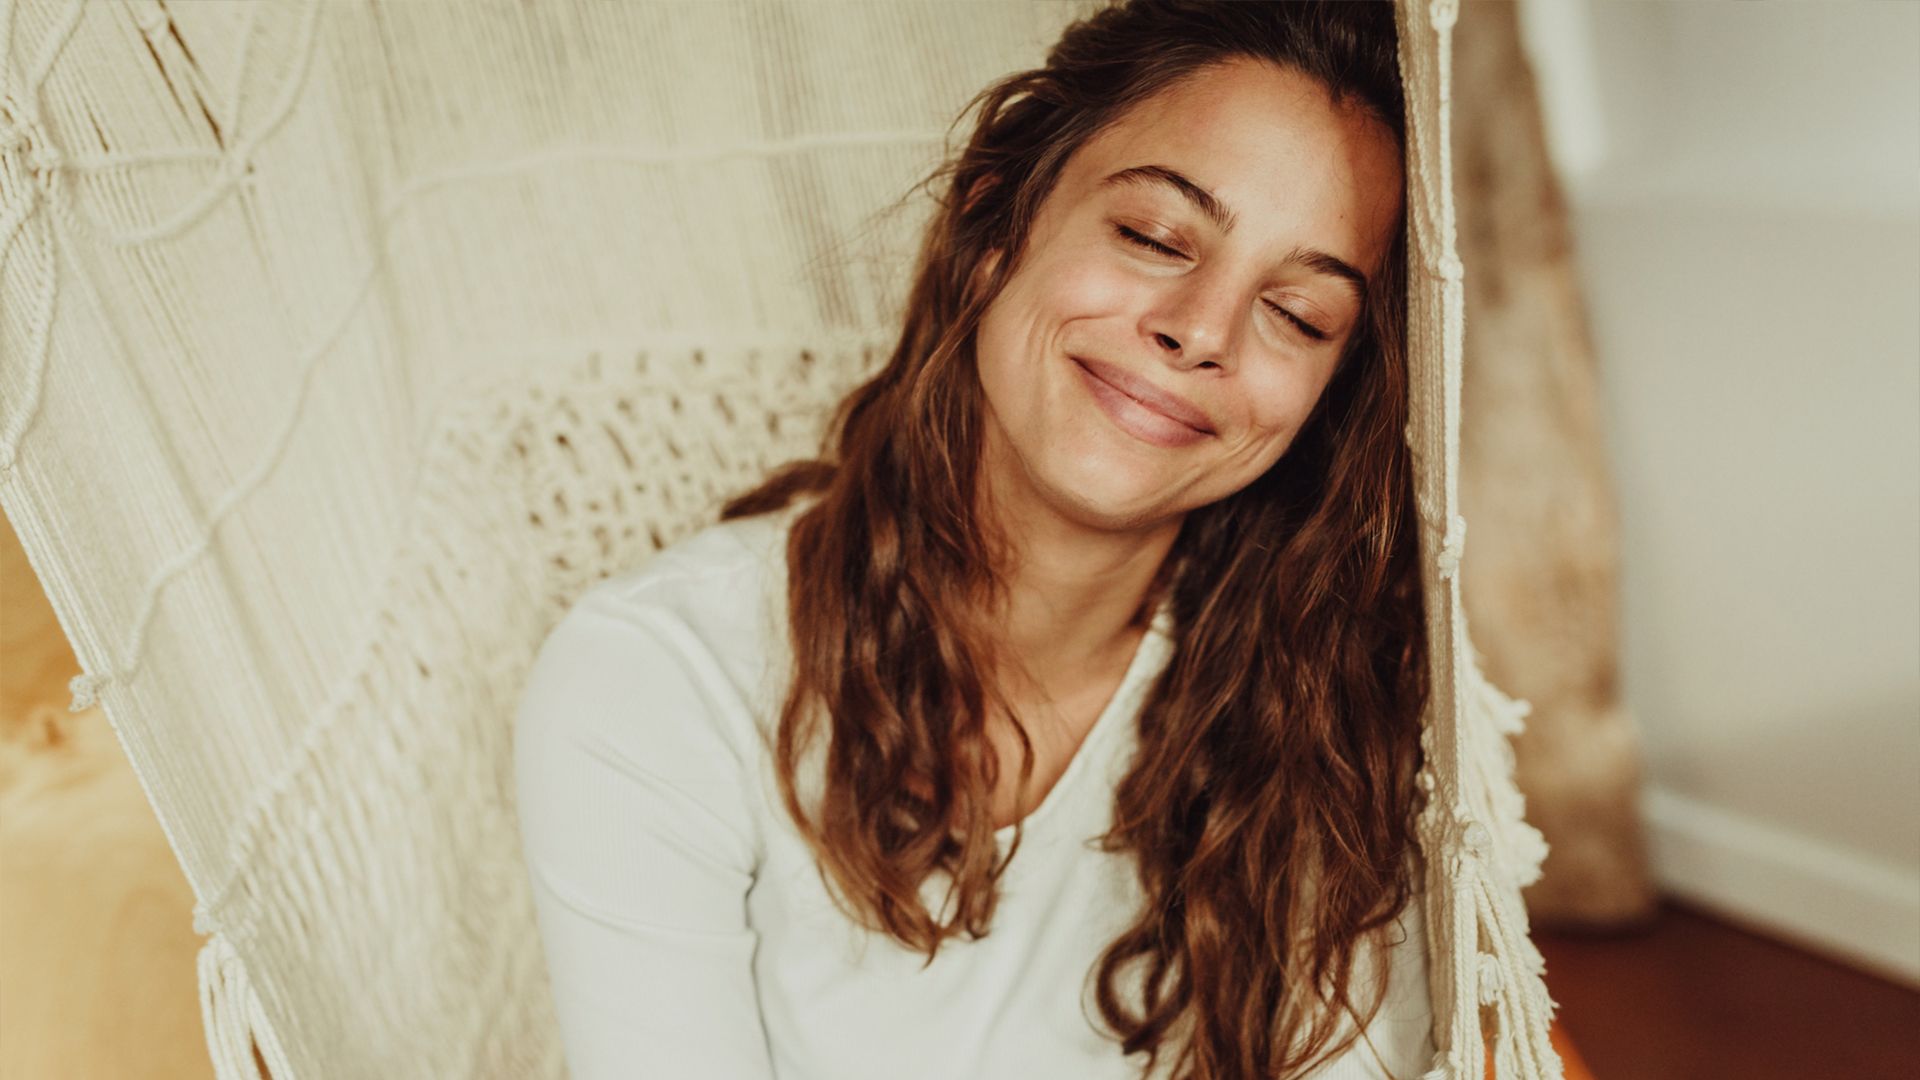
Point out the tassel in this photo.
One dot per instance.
(86, 691)
(1489, 978)
(224, 1011)
(235, 1021)
(1452, 546)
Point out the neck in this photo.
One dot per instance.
(1076, 593)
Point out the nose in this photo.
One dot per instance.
(1195, 323)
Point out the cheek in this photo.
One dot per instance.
(1078, 281)
(1278, 403)
(1038, 306)
(1003, 357)
(999, 340)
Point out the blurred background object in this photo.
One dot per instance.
(1541, 574)
(1742, 182)
(96, 930)
(1745, 191)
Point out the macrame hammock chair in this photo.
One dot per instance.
(343, 344)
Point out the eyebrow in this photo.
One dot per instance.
(1214, 210)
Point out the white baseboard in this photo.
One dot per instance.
(1856, 908)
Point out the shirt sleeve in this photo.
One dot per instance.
(640, 846)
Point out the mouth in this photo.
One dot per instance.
(1167, 404)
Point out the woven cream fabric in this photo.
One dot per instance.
(343, 343)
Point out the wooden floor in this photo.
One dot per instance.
(1696, 998)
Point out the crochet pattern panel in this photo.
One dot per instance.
(626, 454)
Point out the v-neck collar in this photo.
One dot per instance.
(1119, 707)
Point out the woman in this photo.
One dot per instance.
(1112, 566)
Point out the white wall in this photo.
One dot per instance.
(1745, 179)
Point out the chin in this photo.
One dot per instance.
(1100, 492)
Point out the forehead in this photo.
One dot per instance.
(1270, 143)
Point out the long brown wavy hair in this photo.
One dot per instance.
(1269, 808)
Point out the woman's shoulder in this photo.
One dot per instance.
(718, 581)
(661, 666)
(705, 614)
(633, 703)
(699, 564)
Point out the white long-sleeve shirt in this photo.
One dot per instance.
(687, 932)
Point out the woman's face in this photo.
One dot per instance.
(1201, 251)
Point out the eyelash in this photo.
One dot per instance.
(1142, 240)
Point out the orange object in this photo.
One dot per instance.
(1563, 1045)
(1576, 1069)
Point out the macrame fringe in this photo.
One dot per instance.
(233, 1018)
(1497, 852)
(1495, 719)
(1499, 1000)
(1488, 993)
(86, 691)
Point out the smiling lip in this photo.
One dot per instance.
(1167, 404)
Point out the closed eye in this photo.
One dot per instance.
(1139, 239)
